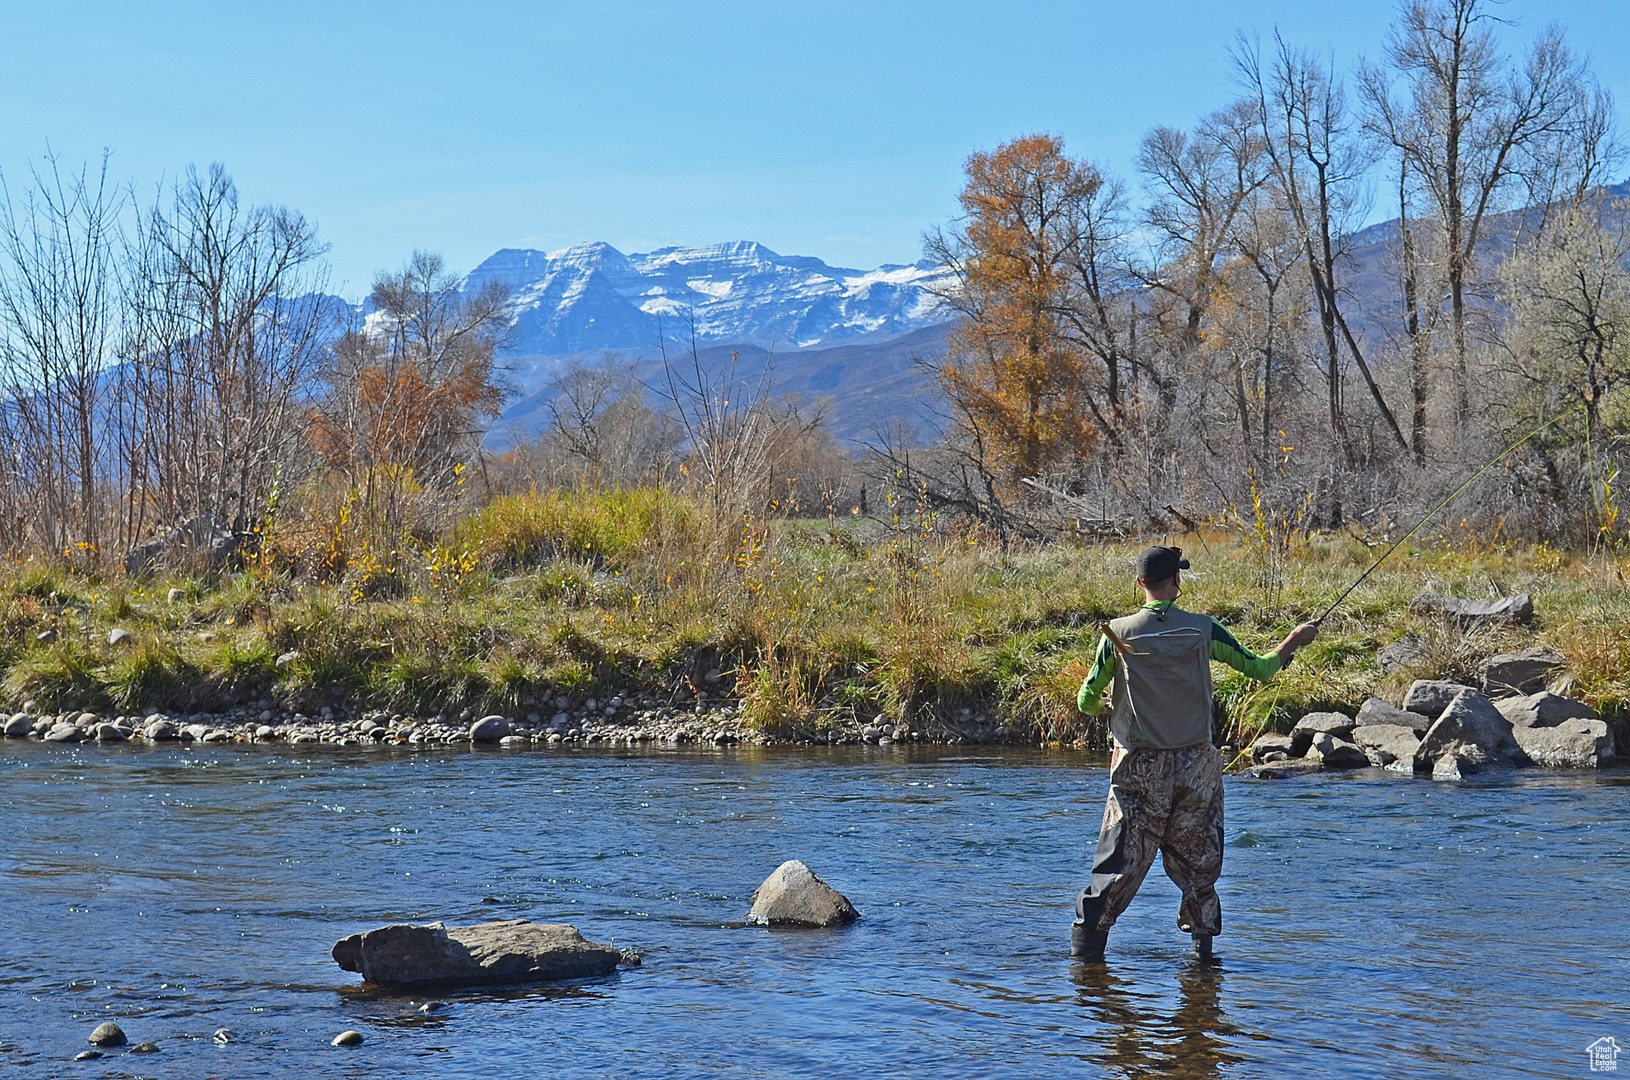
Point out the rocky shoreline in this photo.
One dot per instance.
(1442, 728)
(629, 721)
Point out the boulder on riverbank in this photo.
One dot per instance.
(494, 953)
(1579, 743)
(1429, 697)
(1302, 736)
(1524, 672)
(1385, 744)
(1468, 613)
(794, 896)
(1472, 733)
(1334, 752)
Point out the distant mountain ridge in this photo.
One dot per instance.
(592, 296)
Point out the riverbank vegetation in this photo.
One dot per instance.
(806, 626)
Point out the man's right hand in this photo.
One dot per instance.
(1298, 637)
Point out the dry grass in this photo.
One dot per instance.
(806, 625)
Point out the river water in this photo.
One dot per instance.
(1377, 925)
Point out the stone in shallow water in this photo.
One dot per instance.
(794, 896)
(348, 1038)
(107, 1033)
(489, 729)
(508, 951)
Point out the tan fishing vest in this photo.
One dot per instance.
(1162, 694)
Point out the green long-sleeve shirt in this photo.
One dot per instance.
(1225, 649)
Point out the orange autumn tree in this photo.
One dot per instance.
(409, 391)
(1023, 385)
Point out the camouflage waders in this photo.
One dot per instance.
(1170, 801)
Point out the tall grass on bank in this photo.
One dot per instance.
(802, 624)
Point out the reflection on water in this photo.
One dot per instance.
(1376, 925)
(1140, 1032)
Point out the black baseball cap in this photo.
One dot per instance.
(1159, 563)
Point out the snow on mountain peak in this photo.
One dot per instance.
(592, 296)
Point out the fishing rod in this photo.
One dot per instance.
(1445, 501)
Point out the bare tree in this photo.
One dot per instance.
(1318, 168)
(730, 422)
(599, 418)
(1468, 128)
(59, 332)
(225, 332)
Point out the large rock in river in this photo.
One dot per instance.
(794, 896)
(489, 729)
(510, 951)
(1472, 732)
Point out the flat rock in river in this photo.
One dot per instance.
(508, 951)
(1281, 770)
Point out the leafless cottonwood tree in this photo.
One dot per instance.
(1318, 164)
(600, 421)
(59, 336)
(734, 428)
(1468, 127)
(226, 331)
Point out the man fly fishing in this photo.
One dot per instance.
(1165, 774)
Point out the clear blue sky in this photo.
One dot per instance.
(834, 129)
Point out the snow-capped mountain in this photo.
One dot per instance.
(592, 296)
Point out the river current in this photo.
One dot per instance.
(1376, 925)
